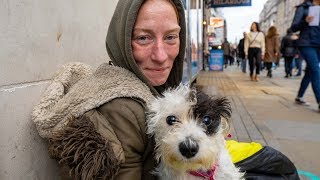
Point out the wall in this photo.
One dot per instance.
(37, 37)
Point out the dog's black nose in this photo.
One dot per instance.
(189, 148)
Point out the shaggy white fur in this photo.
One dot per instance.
(184, 142)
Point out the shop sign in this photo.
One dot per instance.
(229, 3)
(216, 22)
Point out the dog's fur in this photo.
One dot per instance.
(189, 129)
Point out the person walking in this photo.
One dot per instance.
(241, 53)
(95, 122)
(272, 49)
(309, 46)
(254, 46)
(226, 52)
(288, 51)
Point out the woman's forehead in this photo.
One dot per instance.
(158, 6)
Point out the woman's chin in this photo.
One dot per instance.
(158, 82)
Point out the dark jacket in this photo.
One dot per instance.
(241, 53)
(266, 164)
(309, 35)
(288, 46)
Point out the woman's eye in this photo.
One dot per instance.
(143, 39)
(171, 120)
(172, 39)
(207, 120)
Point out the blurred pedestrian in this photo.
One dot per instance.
(254, 46)
(298, 62)
(226, 52)
(309, 46)
(241, 53)
(272, 49)
(233, 55)
(288, 51)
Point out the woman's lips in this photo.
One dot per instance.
(156, 69)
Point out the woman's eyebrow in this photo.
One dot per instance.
(177, 29)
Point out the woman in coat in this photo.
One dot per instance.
(95, 121)
(272, 49)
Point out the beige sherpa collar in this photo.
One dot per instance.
(75, 90)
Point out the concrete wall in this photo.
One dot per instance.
(37, 37)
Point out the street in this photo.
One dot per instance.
(265, 112)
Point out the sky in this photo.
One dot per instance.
(239, 19)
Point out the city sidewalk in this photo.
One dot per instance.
(265, 112)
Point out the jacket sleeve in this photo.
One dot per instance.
(246, 45)
(105, 143)
(87, 148)
(127, 119)
(277, 45)
(282, 46)
(299, 21)
(263, 44)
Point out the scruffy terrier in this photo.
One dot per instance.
(189, 129)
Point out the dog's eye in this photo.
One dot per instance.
(171, 120)
(207, 120)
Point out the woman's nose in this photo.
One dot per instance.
(159, 52)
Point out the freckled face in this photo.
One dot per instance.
(155, 40)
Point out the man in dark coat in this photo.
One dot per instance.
(241, 54)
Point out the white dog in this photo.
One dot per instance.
(189, 129)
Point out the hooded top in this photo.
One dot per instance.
(118, 42)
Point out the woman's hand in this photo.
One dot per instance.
(262, 56)
(309, 19)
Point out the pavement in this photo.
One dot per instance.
(265, 112)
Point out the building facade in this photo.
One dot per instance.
(278, 13)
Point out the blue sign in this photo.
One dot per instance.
(216, 60)
(229, 3)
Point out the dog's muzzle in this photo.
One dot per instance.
(189, 148)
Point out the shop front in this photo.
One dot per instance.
(193, 62)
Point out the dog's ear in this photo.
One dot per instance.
(214, 105)
(193, 95)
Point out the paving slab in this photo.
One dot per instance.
(265, 112)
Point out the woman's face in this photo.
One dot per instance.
(253, 27)
(155, 40)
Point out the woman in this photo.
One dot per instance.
(96, 125)
(272, 49)
(254, 46)
(309, 46)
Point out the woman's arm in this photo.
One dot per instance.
(246, 45)
(105, 143)
(127, 119)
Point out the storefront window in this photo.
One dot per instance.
(194, 57)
